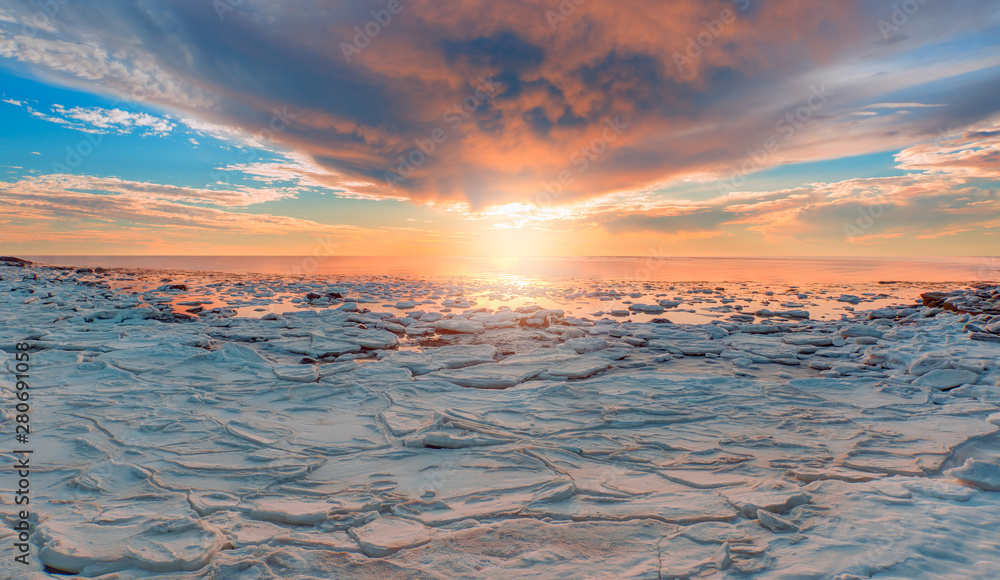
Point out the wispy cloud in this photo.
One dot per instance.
(232, 196)
(110, 201)
(103, 121)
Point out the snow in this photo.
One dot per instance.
(498, 440)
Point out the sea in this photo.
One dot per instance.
(786, 270)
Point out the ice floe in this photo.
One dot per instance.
(503, 431)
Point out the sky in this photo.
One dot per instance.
(514, 128)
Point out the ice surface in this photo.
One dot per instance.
(498, 440)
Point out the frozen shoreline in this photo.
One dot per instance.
(424, 439)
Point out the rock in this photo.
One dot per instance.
(405, 305)
(984, 475)
(983, 337)
(942, 379)
(16, 262)
(937, 299)
(459, 326)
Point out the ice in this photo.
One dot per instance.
(946, 378)
(982, 474)
(459, 326)
(297, 373)
(386, 536)
(545, 443)
(585, 345)
(489, 376)
(774, 522)
(579, 368)
(150, 543)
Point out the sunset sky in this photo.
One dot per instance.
(502, 128)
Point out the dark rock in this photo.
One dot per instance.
(12, 261)
(934, 299)
(983, 337)
(660, 321)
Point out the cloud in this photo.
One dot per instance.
(120, 189)
(362, 121)
(950, 189)
(111, 201)
(900, 106)
(971, 154)
(103, 121)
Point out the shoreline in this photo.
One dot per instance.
(621, 270)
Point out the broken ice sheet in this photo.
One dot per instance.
(323, 441)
